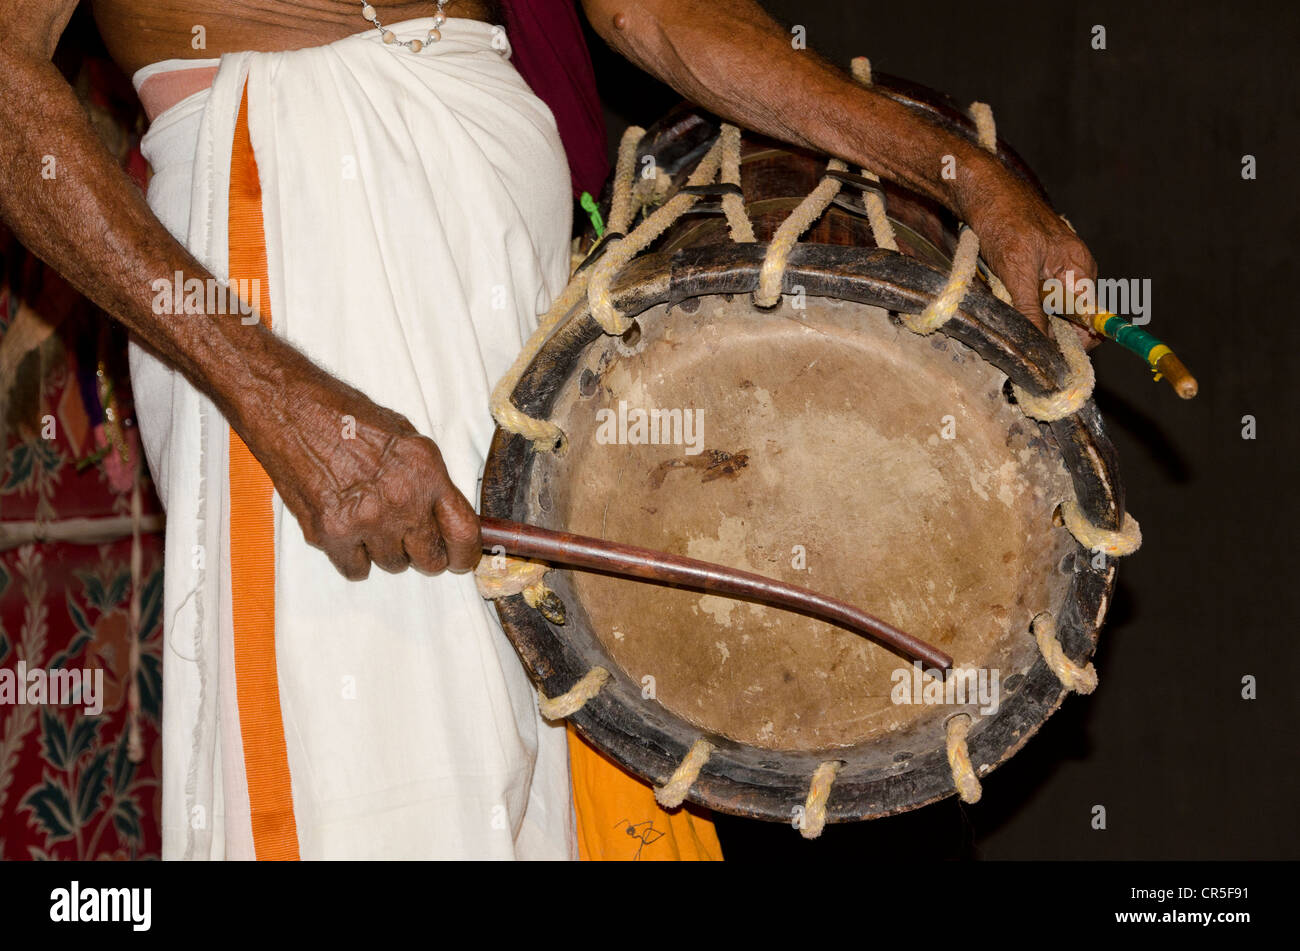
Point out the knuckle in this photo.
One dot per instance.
(352, 565)
(393, 566)
(424, 452)
(398, 488)
(1087, 261)
(367, 510)
(464, 529)
(457, 520)
(434, 561)
(334, 525)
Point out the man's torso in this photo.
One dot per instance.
(140, 32)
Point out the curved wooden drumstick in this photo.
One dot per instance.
(580, 551)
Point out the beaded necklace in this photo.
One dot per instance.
(433, 36)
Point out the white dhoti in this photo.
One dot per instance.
(417, 212)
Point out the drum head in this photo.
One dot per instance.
(829, 447)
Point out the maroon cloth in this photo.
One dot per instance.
(551, 54)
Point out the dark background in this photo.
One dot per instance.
(1140, 145)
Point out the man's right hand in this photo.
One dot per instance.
(364, 485)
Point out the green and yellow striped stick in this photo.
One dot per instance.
(1156, 353)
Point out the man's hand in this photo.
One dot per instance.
(364, 485)
(1023, 240)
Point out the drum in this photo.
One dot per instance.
(796, 403)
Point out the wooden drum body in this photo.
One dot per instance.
(823, 443)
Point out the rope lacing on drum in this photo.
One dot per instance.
(963, 773)
(942, 308)
(1114, 544)
(621, 252)
(1078, 388)
(813, 818)
(819, 794)
(623, 204)
(771, 275)
(499, 576)
(673, 793)
(965, 261)
(575, 698)
(881, 227)
(733, 204)
(543, 434)
(1071, 675)
(617, 250)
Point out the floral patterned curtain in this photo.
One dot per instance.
(80, 554)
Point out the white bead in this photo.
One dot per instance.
(439, 19)
(368, 12)
(390, 36)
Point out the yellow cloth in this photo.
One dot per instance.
(619, 819)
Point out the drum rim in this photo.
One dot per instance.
(747, 781)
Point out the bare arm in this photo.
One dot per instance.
(734, 60)
(383, 496)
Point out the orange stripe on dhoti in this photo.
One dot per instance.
(252, 550)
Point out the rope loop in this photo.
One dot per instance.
(860, 67)
(1115, 544)
(733, 205)
(772, 274)
(1078, 388)
(575, 698)
(500, 581)
(940, 310)
(819, 793)
(673, 793)
(1071, 675)
(619, 255)
(621, 207)
(986, 130)
(963, 773)
(543, 434)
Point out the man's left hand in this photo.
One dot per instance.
(1024, 242)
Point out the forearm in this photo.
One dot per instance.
(66, 199)
(373, 491)
(737, 62)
